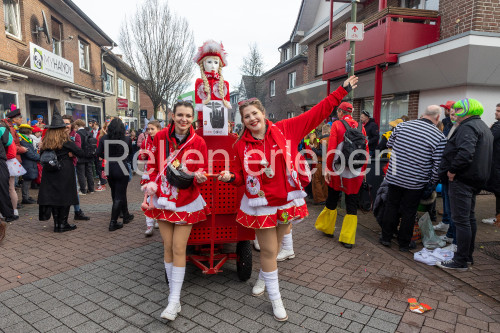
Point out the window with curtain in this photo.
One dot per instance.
(291, 80)
(109, 86)
(84, 55)
(132, 94)
(12, 18)
(56, 37)
(121, 88)
(320, 51)
(272, 88)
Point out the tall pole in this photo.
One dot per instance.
(354, 9)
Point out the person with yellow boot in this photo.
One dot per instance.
(344, 174)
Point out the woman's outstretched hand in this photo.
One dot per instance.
(225, 176)
(351, 83)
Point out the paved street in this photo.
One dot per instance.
(91, 280)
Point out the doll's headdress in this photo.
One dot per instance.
(211, 48)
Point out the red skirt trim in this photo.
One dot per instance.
(282, 216)
(176, 217)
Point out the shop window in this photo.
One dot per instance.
(133, 94)
(77, 111)
(94, 112)
(393, 107)
(272, 88)
(109, 85)
(6, 100)
(121, 88)
(291, 80)
(12, 18)
(84, 55)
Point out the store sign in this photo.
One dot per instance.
(129, 113)
(122, 103)
(144, 113)
(46, 62)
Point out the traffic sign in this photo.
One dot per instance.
(354, 31)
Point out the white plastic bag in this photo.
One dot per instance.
(429, 238)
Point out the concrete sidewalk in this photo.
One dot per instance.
(92, 280)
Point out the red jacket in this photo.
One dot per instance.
(346, 182)
(192, 144)
(19, 149)
(293, 129)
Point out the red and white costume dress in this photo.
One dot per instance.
(346, 181)
(279, 199)
(201, 95)
(180, 206)
(146, 146)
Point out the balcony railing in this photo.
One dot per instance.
(387, 33)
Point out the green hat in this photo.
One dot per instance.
(469, 106)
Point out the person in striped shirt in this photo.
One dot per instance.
(417, 147)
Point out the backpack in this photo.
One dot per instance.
(354, 140)
(49, 161)
(90, 146)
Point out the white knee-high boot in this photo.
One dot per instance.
(273, 289)
(174, 303)
(259, 286)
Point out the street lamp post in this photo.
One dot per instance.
(354, 9)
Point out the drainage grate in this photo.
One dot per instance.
(489, 248)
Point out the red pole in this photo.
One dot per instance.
(331, 19)
(382, 4)
(377, 98)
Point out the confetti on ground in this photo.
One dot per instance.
(19, 276)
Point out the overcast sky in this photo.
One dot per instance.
(236, 23)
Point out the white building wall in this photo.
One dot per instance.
(488, 96)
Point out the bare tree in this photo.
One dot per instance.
(251, 70)
(159, 46)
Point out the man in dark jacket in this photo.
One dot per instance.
(466, 163)
(84, 164)
(372, 131)
(494, 182)
(447, 123)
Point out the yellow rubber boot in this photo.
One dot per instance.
(326, 221)
(348, 232)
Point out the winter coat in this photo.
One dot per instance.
(371, 129)
(84, 137)
(118, 152)
(494, 181)
(58, 188)
(19, 149)
(447, 125)
(347, 181)
(380, 200)
(29, 161)
(6, 141)
(468, 153)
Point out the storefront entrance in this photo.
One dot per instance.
(37, 108)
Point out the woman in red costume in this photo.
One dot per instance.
(268, 164)
(176, 209)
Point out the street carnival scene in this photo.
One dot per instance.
(250, 166)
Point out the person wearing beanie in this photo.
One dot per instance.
(466, 163)
(372, 131)
(338, 181)
(274, 184)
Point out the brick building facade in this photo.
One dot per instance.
(45, 80)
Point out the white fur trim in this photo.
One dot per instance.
(295, 195)
(145, 176)
(193, 206)
(257, 202)
(256, 211)
(299, 202)
(163, 203)
(198, 107)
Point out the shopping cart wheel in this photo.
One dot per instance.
(244, 261)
